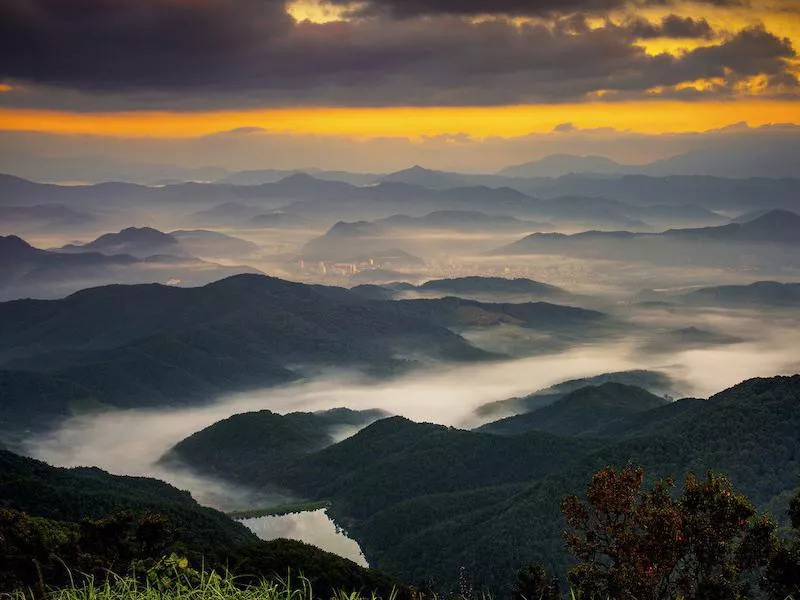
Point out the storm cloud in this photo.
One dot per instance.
(123, 55)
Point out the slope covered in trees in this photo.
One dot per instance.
(153, 345)
(250, 447)
(424, 500)
(54, 520)
(585, 412)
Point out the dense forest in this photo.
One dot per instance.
(58, 523)
(425, 500)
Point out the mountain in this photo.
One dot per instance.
(420, 176)
(349, 242)
(60, 524)
(471, 286)
(211, 244)
(140, 242)
(557, 165)
(768, 240)
(154, 345)
(655, 382)
(485, 289)
(423, 500)
(774, 159)
(261, 176)
(759, 294)
(462, 220)
(714, 193)
(26, 271)
(774, 227)
(584, 412)
(43, 218)
(461, 314)
(38, 489)
(245, 446)
(737, 160)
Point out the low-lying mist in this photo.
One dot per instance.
(132, 441)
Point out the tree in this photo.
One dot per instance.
(633, 543)
(782, 577)
(533, 584)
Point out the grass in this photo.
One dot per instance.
(187, 585)
(277, 511)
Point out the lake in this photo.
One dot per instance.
(312, 527)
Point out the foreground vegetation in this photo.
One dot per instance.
(173, 579)
(445, 510)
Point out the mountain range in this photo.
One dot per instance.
(423, 500)
(155, 345)
(26, 271)
(769, 239)
(611, 202)
(60, 524)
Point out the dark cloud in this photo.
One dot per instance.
(671, 26)
(417, 8)
(195, 54)
(94, 43)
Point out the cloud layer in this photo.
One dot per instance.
(126, 54)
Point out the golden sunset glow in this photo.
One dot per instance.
(504, 121)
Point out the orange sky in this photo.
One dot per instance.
(503, 121)
(652, 116)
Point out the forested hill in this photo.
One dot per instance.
(154, 345)
(249, 447)
(54, 520)
(587, 411)
(38, 489)
(424, 500)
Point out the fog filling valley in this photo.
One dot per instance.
(132, 441)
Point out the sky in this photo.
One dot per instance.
(178, 73)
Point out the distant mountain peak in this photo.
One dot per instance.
(557, 165)
(777, 218)
(13, 245)
(299, 178)
(421, 176)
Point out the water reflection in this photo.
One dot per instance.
(312, 527)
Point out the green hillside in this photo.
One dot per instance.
(250, 447)
(584, 412)
(424, 500)
(154, 345)
(86, 520)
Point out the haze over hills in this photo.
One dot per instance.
(140, 242)
(762, 293)
(416, 494)
(302, 193)
(655, 382)
(42, 218)
(735, 162)
(78, 512)
(436, 300)
(263, 442)
(584, 412)
(768, 239)
(155, 345)
(26, 271)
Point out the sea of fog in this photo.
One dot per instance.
(131, 441)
